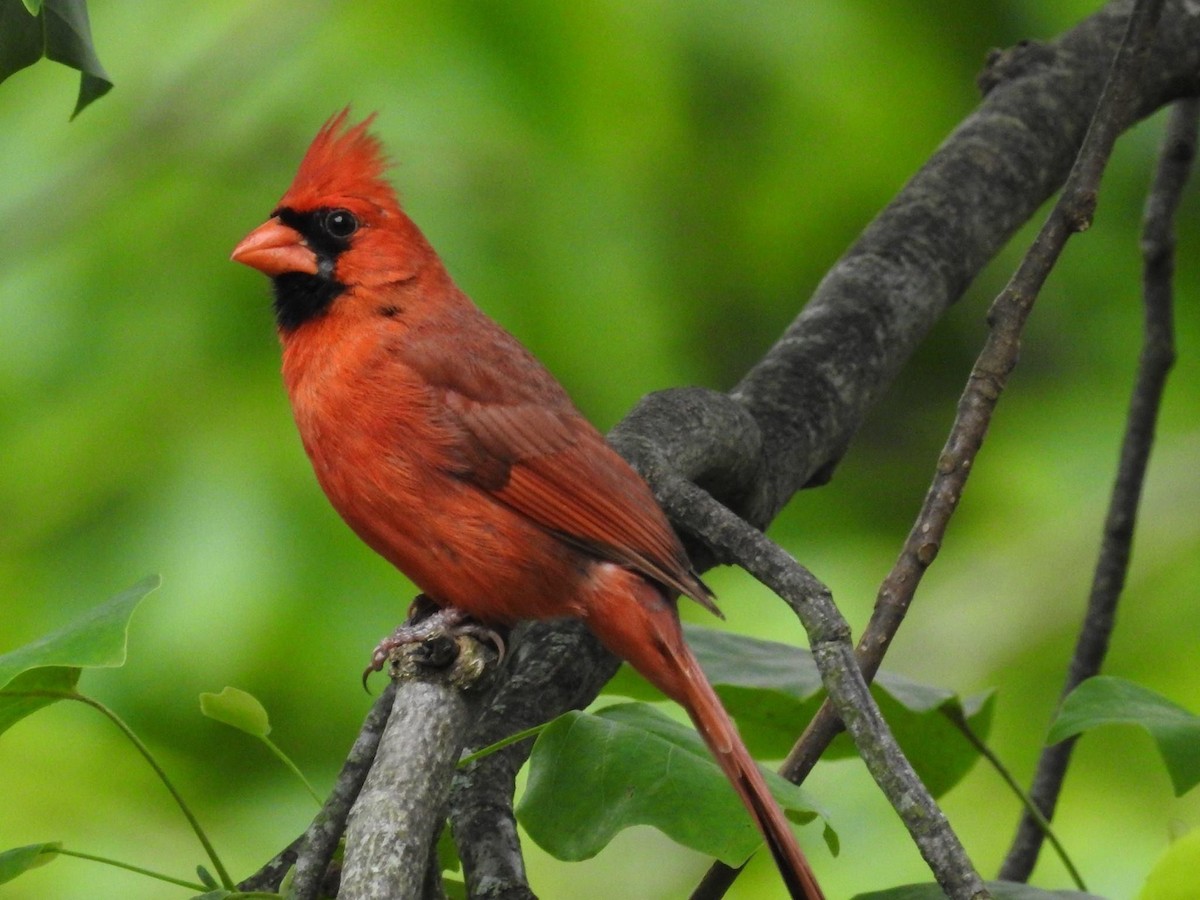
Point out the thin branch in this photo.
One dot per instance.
(829, 636)
(1157, 357)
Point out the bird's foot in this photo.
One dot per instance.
(426, 620)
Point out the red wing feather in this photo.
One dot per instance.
(522, 440)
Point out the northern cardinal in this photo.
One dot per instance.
(454, 454)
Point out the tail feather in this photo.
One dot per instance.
(735, 761)
(637, 622)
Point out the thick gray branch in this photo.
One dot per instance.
(395, 821)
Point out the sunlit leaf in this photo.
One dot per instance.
(94, 639)
(58, 30)
(1174, 875)
(1000, 890)
(592, 775)
(1105, 700)
(773, 689)
(237, 709)
(21, 859)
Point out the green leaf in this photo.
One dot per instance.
(592, 775)
(1174, 875)
(32, 690)
(238, 709)
(21, 859)
(206, 877)
(58, 30)
(1105, 700)
(773, 689)
(1000, 890)
(39, 673)
(95, 639)
(447, 851)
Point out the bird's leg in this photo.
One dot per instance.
(427, 620)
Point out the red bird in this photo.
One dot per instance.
(454, 454)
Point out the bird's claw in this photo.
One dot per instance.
(441, 622)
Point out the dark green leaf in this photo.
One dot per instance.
(1000, 890)
(591, 776)
(21, 42)
(773, 689)
(206, 877)
(60, 31)
(1105, 700)
(94, 639)
(21, 859)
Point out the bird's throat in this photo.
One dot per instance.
(300, 297)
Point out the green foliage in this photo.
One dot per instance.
(237, 709)
(48, 669)
(93, 640)
(593, 775)
(1106, 700)
(773, 689)
(20, 859)
(1174, 875)
(58, 30)
(242, 711)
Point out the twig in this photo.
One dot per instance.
(1156, 359)
(311, 852)
(1072, 213)
(829, 637)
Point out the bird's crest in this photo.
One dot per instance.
(342, 162)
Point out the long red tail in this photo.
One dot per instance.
(636, 622)
(731, 754)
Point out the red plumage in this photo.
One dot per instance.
(455, 455)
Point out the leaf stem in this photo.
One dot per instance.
(1030, 807)
(226, 881)
(116, 863)
(295, 770)
(501, 744)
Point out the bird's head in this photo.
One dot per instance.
(338, 228)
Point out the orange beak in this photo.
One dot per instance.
(275, 249)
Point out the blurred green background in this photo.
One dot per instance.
(644, 192)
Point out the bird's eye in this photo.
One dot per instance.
(340, 223)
